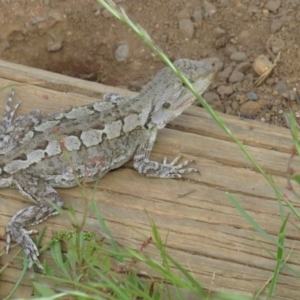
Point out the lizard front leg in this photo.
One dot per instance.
(43, 195)
(151, 168)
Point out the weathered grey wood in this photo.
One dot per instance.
(205, 233)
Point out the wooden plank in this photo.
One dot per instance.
(205, 233)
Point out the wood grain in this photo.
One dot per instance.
(206, 234)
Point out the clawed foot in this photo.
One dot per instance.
(22, 237)
(175, 171)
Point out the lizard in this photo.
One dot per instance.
(98, 137)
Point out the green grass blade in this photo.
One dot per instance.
(280, 254)
(106, 232)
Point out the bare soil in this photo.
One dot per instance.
(81, 39)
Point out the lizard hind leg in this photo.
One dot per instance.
(43, 195)
(14, 131)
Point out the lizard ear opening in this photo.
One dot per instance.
(166, 105)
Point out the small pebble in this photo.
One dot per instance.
(243, 67)
(238, 56)
(221, 42)
(183, 14)
(218, 32)
(225, 73)
(261, 64)
(186, 27)
(281, 87)
(265, 12)
(272, 5)
(277, 44)
(214, 101)
(198, 15)
(228, 110)
(209, 8)
(252, 96)
(250, 107)
(122, 52)
(225, 90)
(54, 47)
(236, 76)
(235, 105)
(219, 66)
(37, 20)
(230, 49)
(276, 25)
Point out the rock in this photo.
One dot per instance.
(252, 96)
(236, 76)
(276, 45)
(261, 64)
(56, 15)
(198, 15)
(281, 87)
(221, 42)
(219, 66)
(235, 105)
(250, 107)
(243, 67)
(218, 32)
(225, 90)
(239, 97)
(238, 56)
(230, 49)
(214, 101)
(37, 20)
(186, 27)
(228, 110)
(276, 24)
(183, 14)
(245, 35)
(265, 12)
(233, 41)
(268, 116)
(249, 77)
(122, 52)
(272, 5)
(54, 47)
(226, 73)
(209, 8)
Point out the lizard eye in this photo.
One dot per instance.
(166, 105)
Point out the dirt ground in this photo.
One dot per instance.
(81, 39)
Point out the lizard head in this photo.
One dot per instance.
(169, 94)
